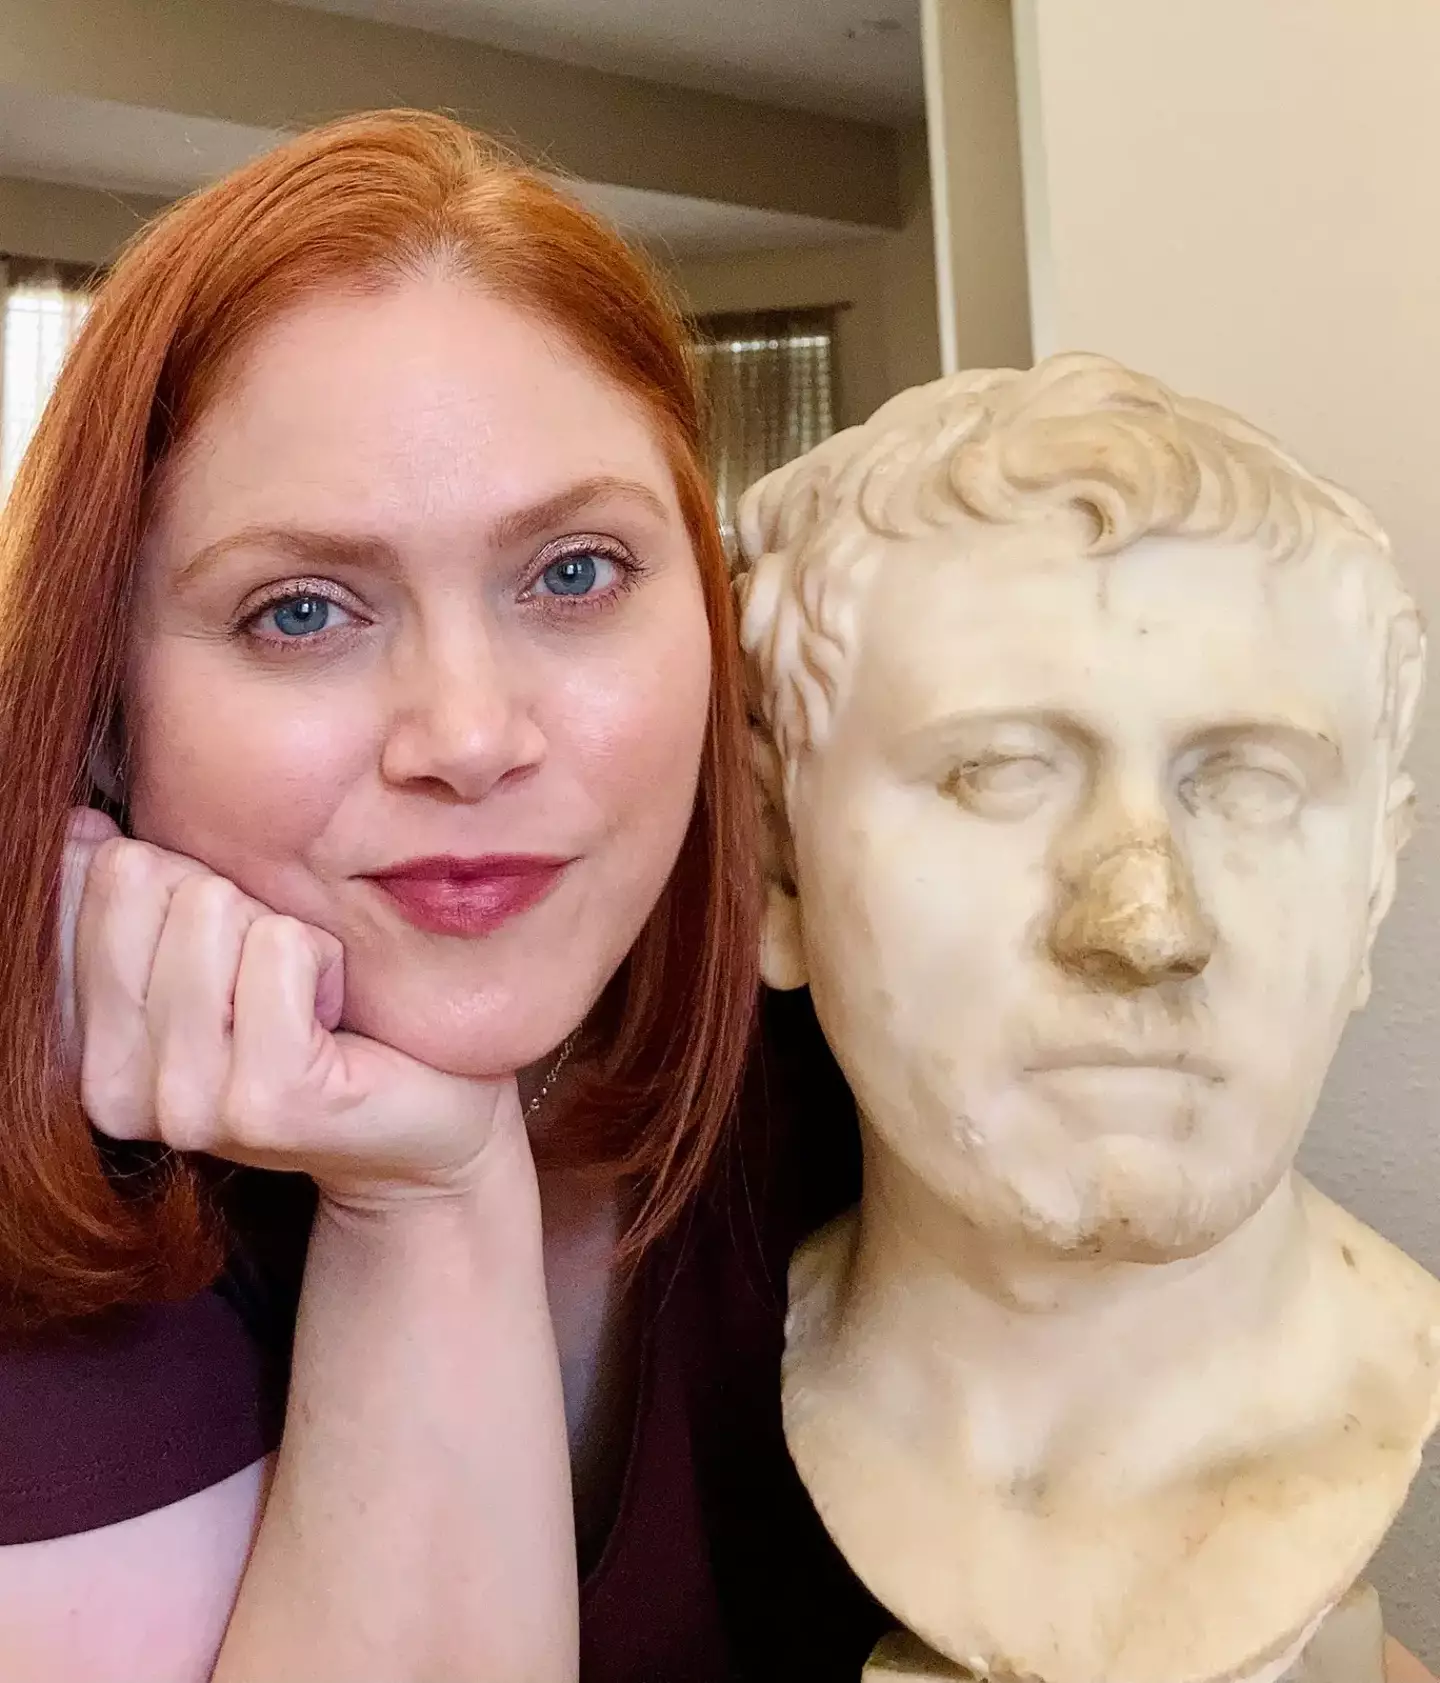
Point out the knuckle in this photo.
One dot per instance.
(284, 928)
(211, 902)
(278, 934)
(179, 1123)
(111, 1105)
(251, 1113)
(184, 1112)
(122, 866)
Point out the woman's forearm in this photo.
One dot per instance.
(1403, 1667)
(420, 1525)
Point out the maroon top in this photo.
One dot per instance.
(716, 1569)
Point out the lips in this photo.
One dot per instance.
(1104, 1056)
(470, 897)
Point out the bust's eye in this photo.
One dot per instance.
(1000, 785)
(1243, 791)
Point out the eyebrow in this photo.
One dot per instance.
(1313, 741)
(531, 522)
(947, 734)
(322, 550)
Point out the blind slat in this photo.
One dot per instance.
(37, 327)
(769, 389)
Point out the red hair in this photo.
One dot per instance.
(363, 202)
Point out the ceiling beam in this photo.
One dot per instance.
(271, 65)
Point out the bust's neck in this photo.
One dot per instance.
(1033, 1350)
(1024, 1455)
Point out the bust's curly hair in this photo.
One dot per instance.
(1077, 434)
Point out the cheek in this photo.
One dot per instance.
(1291, 920)
(232, 773)
(632, 728)
(967, 902)
(894, 923)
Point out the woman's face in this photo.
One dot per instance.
(417, 598)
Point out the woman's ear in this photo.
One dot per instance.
(105, 768)
(782, 936)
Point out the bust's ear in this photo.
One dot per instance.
(782, 935)
(1405, 682)
(782, 941)
(1395, 831)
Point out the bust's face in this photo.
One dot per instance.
(1085, 867)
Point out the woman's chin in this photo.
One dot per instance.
(478, 1046)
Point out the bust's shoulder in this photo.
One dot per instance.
(1385, 1314)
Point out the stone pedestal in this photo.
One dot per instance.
(1348, 1648)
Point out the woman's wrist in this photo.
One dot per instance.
(495, 1206)
(499, 1176)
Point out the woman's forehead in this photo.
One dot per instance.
(430, 396)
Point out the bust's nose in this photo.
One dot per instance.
(1131, 919)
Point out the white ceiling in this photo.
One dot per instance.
(682, 227)
(124, 149)
(97, 143)
(852, 58)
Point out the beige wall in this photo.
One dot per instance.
(975, 165)
(1241, 198)
(887, 335)
(69, 224)
(267, 65)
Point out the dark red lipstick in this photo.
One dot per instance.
(451, 896)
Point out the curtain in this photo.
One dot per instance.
(768, 384)
(43, 307)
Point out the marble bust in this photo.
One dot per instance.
(1081, 717)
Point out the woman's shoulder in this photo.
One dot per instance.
(710, 1451)
(127, 1414)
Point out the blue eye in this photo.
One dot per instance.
(301, 616)
(577, 574)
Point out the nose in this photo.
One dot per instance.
(460, 722)
(1130, 919)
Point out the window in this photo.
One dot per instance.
(44, 305)
(768, 381)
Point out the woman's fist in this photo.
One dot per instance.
(203, 1019)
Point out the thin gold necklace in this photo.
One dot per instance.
(562, 1057)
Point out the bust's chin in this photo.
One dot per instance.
(1117, 1198)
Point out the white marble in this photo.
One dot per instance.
(1082, 710)
(1348, 1647)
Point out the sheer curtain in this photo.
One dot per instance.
(768, 381)
(43, 307)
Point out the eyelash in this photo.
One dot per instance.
(630, 570)
(321, 590)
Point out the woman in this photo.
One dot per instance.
(362, 590)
